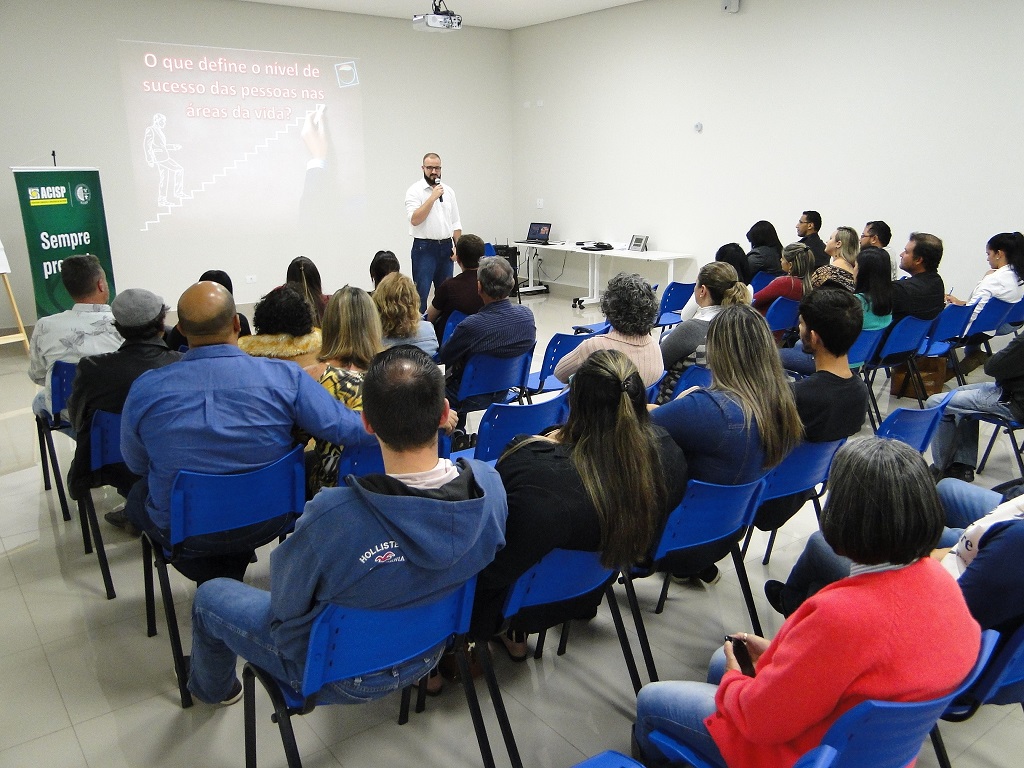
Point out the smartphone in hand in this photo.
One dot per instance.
(739, 650)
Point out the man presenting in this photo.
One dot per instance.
(384, 541)
(435, 227)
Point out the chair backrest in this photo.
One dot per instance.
(783, 314)
(951, 323)
(864, 347)
(454, 319)
(652, 391)
(105, 440)
(805, 467)
(675, 297)
(485, 374)
(708, 513)
(349, 642)
(990, 317)
(693, 376)
(904, 339)
(489, 250)
(913, 426)
(562, 574)
(760, 280)
(1002, 681)
(560, 345)
(360, 460)
(501, 422)
(1016, 314)
(202, 503)
(609, 759)
(62, 376)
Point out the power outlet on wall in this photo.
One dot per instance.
(250, 278)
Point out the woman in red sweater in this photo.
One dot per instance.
(798, 264)
(857, 639)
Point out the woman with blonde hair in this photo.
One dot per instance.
(842, 248)
(351, 337)
(398, 303)
(798, 264)
(718, 285)
(604, 482)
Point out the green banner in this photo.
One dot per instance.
(62, 210)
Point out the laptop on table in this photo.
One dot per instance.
(538, 235)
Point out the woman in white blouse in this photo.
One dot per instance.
(1005, 278)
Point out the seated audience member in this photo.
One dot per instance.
(102, 383)
(631, 308)
(1003, 281)
(921, 295)
(881, 512)
(605, 482)
(873, 290)
(982, 547)
(175, 339)
(743, 424)
(807, 229)
(765, 250)
(832, 400)
(440, 522)
(717, 286)
(877, 234)
(219, 411)
(382, 264)
(798, 264)
(842, 248)
(458, 294)
(398, 305)
(304, 278)
(85, 329)
(955, 444)
(499, 329)
(732, 254)
(351, 337)
(284, 328)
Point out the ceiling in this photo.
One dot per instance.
(510, 14)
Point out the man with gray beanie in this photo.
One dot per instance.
(102, 383)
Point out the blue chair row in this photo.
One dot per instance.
(673, 300)
(62, 376)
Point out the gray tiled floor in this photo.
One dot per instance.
(82, 685)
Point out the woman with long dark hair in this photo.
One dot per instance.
(304, 278)
(765, 250)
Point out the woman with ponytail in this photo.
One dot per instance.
(1005, 277)
(604, 482)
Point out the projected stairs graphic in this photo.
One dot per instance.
(235, 165)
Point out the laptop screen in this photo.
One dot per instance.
(539, 231)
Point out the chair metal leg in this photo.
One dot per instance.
(768, 548)
(249, 715)
(40, 433)
(484, 651)
(641, 630)
(83, 520)
(101, 553)
(664, 594)
(474, 709)
(55, 470)
(988, 450)
(746, 541)
(922, 393)
(620, 630)
(147, 579)
(563, 638)
(1016, 449)
(957, 370)
(421, 695)
(940, 748)
(538, 652)
(741, 572)
(172, 630)
(403, 711)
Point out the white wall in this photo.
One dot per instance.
(60, 89)
(909, 112)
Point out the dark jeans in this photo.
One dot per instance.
(431, 263)
(212, 555)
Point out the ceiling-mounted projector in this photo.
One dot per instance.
(440, 20)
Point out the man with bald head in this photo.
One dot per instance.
(219, 411)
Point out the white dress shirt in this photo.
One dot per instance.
(1001, 284)
(443, 219)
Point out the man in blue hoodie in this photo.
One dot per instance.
(382, 541)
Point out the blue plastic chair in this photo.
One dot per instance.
(916, 428)
(1013, 320)
(1010, 427)
(873, 734)
(486, 374)
(203, 504)
(712, 518)
(454, 319)
(950, 325)
(693, 376)
(359, 461)
(990, 317)
(104, 450)
(601, 327)
(560, 345)
(804, 469)
(502, 422)
(609, 759)
(672, 301)
(652, 391)
(783, 314)
(1001, 682)
(62, 376)
(864, 347)
(761, 280)
(900, 346)
(349, 642)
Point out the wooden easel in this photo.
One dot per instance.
(21, 335)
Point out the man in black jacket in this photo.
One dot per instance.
(807, 228)
(922, 294)
(102, 383)
(955, 445)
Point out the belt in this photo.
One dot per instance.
(428, 240)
